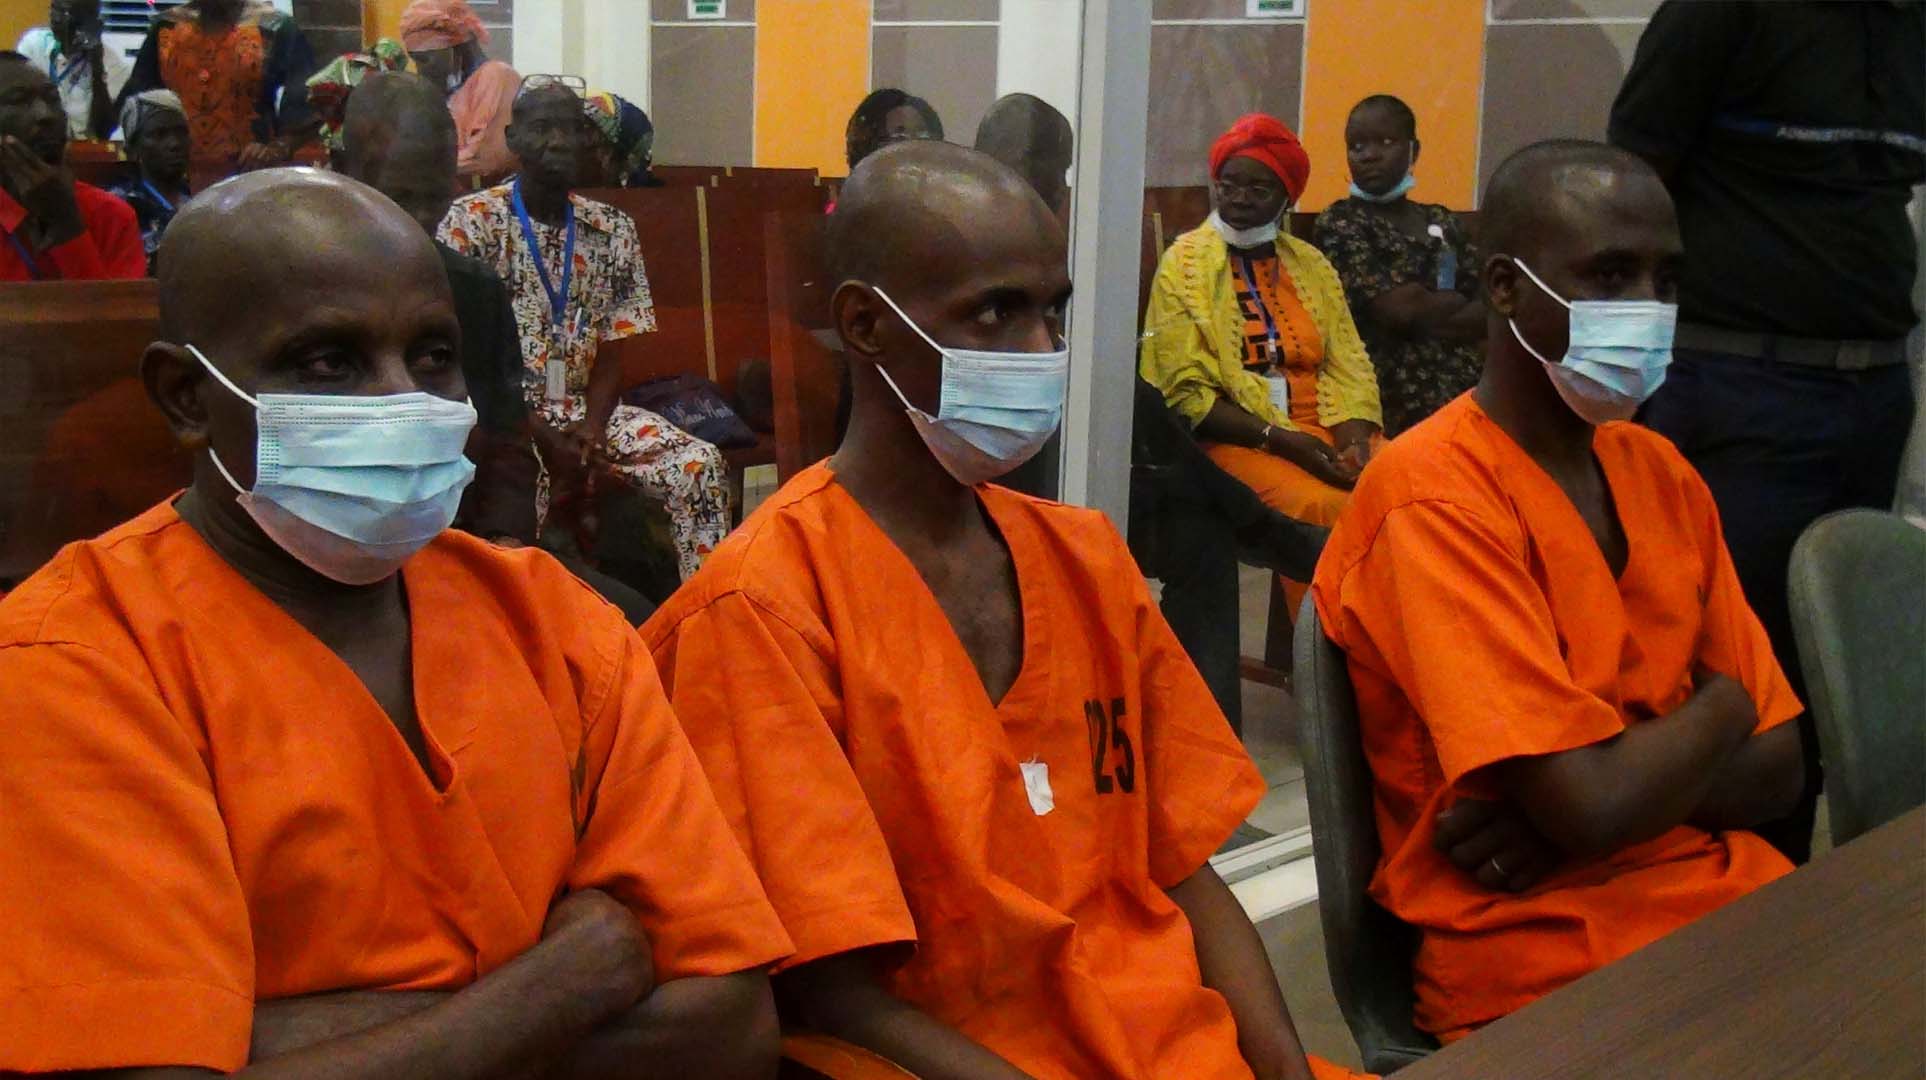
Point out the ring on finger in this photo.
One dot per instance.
(1495, 865)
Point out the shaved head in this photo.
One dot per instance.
(1541, 190)
(915, 204)
(391, 110)
(248, 235)
(1029, 135)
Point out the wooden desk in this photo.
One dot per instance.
(1819, 974)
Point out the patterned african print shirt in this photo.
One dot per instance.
(608, 295)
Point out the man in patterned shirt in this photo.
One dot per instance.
(575, 270)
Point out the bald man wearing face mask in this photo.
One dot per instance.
(331, 789)
(895, 674)
(1572, 717)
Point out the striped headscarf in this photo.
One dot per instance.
(139, 108)
(627, 132)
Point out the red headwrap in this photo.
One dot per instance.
(1265, 140)
(440, 24)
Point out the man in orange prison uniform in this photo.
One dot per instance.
(976, 772)
(298, 781)
(1561, 688)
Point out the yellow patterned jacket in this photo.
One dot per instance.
(1193, 345)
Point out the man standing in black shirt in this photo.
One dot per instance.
(1790, 135)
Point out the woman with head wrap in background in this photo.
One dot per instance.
(329, 88)
(445, 39)
(154, 127)
(628, 140)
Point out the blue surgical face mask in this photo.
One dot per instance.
(1617, 357)
(353, 486)
(1255, 236)
(996, 409)
(1398, 190)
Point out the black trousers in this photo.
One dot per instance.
(1781, 446)
(1191, 548)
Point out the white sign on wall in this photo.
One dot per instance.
(719, 9)
(1274, 9)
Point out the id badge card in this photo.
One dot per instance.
(1280, 393)
(556, 369)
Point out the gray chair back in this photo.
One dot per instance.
(1858, 591)
(1367, 948)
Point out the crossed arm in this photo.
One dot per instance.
(1700, 764)
(581, 1003)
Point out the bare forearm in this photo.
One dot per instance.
(721, 1027)
(1760, 782)
(1650, 778)
(1465, 326)
(1226, 423)
(604, 388)
(841, 997)
(285, 1025)
(1232, 959)
(523, 1016)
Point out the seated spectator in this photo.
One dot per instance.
(574, 267)
(888, 116)
(328, 89)
(1248, 336)
(89, 75)
(1409, 271)
(398, 138)
(1031, 136)
(627, 149)
(154, 128)
(445, 39)
(327, 786)
(1571, 715)
(56, 227)
(241, 70)
(895, 673)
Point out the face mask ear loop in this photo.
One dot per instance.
(1536, 280)
(907, 321)
(237, 392)
(221, 378)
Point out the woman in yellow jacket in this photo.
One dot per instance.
(1249, 338)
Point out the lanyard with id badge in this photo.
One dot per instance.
(1280, 387)
(562, 322)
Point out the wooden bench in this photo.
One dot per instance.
(81, 447)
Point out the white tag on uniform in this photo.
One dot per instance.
(1280, 394)
(1036, 784)
(557, 376)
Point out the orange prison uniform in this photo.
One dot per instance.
(1284, 486)
(1482, 623)
(877, 788)
(204, 807)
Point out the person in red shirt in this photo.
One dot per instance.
(56, 228)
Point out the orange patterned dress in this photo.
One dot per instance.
(240, 84)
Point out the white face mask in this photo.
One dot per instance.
(353, 486)
(1617, 356)
(996, 409)
(1255, 236)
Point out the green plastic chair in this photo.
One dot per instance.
(1858, 591)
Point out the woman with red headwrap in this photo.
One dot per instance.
(1249, 338)
(444, 38)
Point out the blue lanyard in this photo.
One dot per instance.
(1263, 309)
(163, 200)
(33, 267)
(59, 76)
(557, 298)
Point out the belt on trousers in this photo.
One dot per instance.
(1797, 351)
